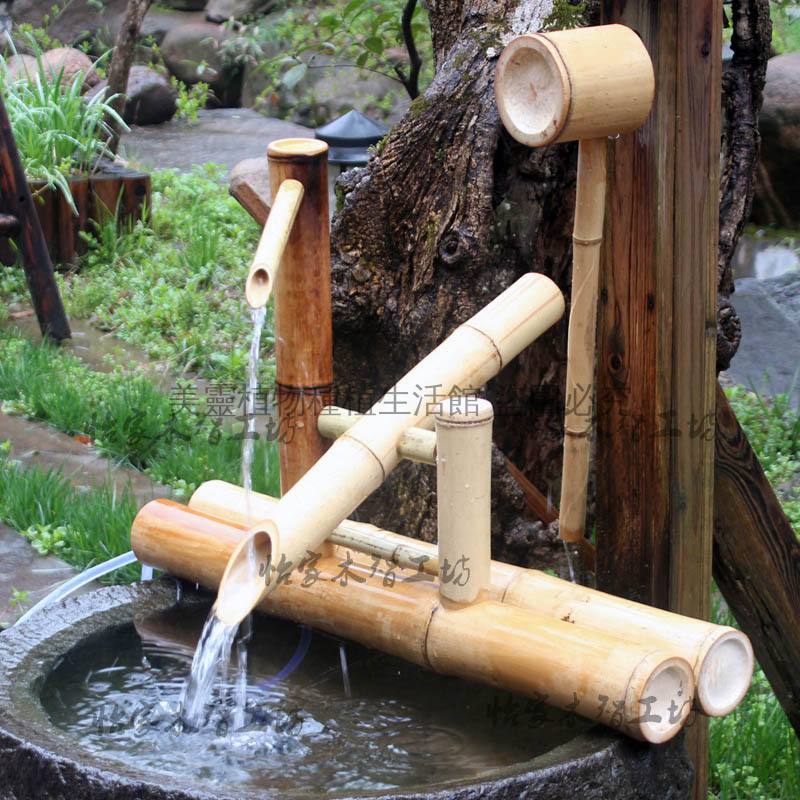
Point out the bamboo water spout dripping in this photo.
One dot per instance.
(585, 84)
(358, 462)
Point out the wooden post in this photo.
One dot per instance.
(757, 559)
(657, 328)
(33, 248)
(303, 333)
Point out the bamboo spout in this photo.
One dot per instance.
(721, 657)
(357, 463)
(274, 237)
(637, 688)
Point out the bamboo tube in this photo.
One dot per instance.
(721, 657)
(303, 333)
(357, 463)
(463, 489)
(644, 692)
(416, 444)
(583, 84)
(264, 269)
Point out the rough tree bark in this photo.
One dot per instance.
(121, 60)
(448, 213)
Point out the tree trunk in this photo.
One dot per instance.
(448, 213)
(121, 60)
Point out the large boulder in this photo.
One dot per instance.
(192, 54)
(21, 66)
(70, 61)
(79, 17)
(151, 98)
(221, 10)
(777, 198)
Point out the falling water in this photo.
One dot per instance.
(566, 548)
(214, 648)
(345, 670)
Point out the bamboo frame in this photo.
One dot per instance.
(264, 269)
(648, 691)
(583, 84)
(356, 464)
(463, 490)
(721, 657)
(416, 444)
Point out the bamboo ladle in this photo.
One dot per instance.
(585, 84)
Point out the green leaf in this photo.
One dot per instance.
(362, 59)
(352, 6)
(330, 21)
(374, 44)
(294, 75)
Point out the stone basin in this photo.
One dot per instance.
(40, 760)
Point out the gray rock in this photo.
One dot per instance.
(249, 184)
(779, 123)
(221, 10)
(151, 98)
(158, 22)
(74, 22)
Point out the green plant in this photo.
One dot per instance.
(190, 99)
(58, 131)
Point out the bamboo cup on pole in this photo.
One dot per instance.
(274, 237)
(358, 462)
(721, 657)
(638, 689)
(463, 490)
(303, 332)
(584, 84)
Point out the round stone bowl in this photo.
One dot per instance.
(39, 760)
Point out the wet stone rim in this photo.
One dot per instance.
(38, 760)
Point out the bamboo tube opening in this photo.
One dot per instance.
(725, 674)
(272, 244)
(665, 700)
(247, 575)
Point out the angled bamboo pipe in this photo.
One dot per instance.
(264, 269)
(357, 463)
(584, 84)
(636, 688)
(721, 657)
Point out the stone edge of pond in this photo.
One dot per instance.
(38, 760)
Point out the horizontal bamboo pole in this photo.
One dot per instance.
(640, 690)
(721, 657)
(264, 269)
(358, 463)
(416, 444)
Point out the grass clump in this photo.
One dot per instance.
(174, 286)
(82, 527)
(127, 417)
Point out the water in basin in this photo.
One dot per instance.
(119, 693)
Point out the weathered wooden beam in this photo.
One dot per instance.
(30, 240)
(656, 329)
(757, 559)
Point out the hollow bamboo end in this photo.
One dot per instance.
(665, 701)
(246, 578)
(725, 674)
(464, 409)
(532, 90)
(258, 288)
(296, 148)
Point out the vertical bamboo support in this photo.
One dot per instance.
(463, 487)
(303, 336)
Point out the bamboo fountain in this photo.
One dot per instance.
(451, 609)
